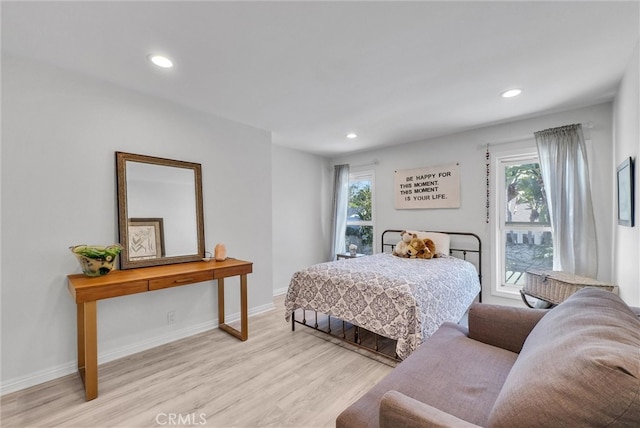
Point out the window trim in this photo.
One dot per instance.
(497, 212)
(371, 176)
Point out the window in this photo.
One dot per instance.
(522, 233)
(360, 230)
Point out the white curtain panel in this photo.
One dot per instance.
(565, 173)
(340, 206)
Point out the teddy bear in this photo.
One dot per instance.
(402, 247)
(416, 247)
(430, 249)
(421, 248)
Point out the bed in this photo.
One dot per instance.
(400, 299)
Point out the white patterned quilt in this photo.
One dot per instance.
(402, 299)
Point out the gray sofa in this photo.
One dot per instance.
(576, 365)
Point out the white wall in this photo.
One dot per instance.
(59, 134)
(626, 252)
(301, 219)
(468, 149)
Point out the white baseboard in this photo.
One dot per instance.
(22, 382)
(41, 376)
(156, 341)
(280, 291)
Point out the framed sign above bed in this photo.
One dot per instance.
(430, 187)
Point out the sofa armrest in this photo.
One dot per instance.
(399, 411)
(502, 326)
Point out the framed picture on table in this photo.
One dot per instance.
(146, 238)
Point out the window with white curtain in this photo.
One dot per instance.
(521, 226)
(360, 216)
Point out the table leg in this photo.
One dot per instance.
(88, 348)
(243, 334)
(244, 318)
(220, 301)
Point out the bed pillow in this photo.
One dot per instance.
(441, 240)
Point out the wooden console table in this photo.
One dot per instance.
(87, 291)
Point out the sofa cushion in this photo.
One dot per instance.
(502, 326)
(449, 371)
(399, 411)
(580, 366)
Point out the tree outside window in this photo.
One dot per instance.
(359, 214)
(526, 230)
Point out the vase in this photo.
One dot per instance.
(96, 260)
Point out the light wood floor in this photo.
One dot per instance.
(278, 378)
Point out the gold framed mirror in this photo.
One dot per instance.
(160, 214)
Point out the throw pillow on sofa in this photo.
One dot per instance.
(580, 366)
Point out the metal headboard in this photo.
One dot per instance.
(473, 241)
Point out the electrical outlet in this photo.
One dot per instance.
(171, 317)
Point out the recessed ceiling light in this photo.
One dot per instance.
(352, 135)
(161, 61)
(511, 93)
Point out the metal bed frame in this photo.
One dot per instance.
(463, 252)
(355, 337)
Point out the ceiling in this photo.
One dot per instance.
(312, 71)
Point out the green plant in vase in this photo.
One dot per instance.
(96, 260)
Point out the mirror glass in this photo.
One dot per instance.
(159, 210)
